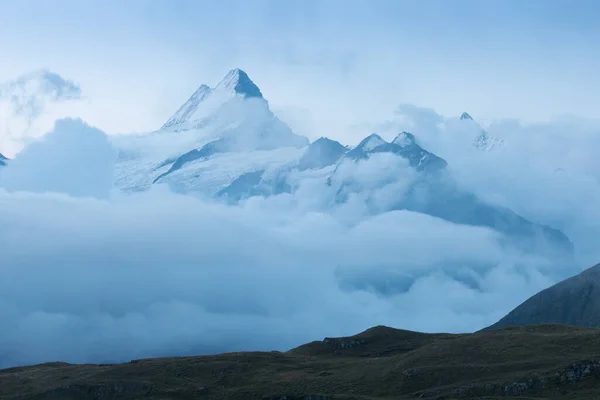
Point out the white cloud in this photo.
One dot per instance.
(73, 158)
(160, 274)
(547, 172)
(156, 273)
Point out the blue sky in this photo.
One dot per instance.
(329, 63)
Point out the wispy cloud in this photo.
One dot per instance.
(30, 103)
(29, 94)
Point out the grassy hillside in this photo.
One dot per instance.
(534, 362)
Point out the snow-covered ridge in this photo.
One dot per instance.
(214, 123)
(205, 101)
(187, 109)
(483, 141)
(404, 139)
(371, 142)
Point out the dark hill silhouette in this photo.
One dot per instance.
(573, 301)
(533, 362)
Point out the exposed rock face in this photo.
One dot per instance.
(562, 379)
(578, 371)
(574, 301)
(344, 343)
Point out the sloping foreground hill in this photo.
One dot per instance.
(573, 301)
(547, 361)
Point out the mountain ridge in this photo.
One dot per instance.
(238, 127)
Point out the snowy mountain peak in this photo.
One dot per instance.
(202, 91)
(3, 160)
(466, 115)
(404, 139)
(239, 82)
(206, 101)
(370, 142)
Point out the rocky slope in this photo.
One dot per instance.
(536, 362)
(573, 301)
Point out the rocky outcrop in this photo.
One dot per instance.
(578, 371)
(568, 375)
(343, 343)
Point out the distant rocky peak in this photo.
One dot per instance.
(321, 153)
(239, 82)
(321, 141)
(466, 116)
(370, 142)
(405, 139)
(324, 142)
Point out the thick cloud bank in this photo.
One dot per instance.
(546, 172)
(74, 158)
(90, 277)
